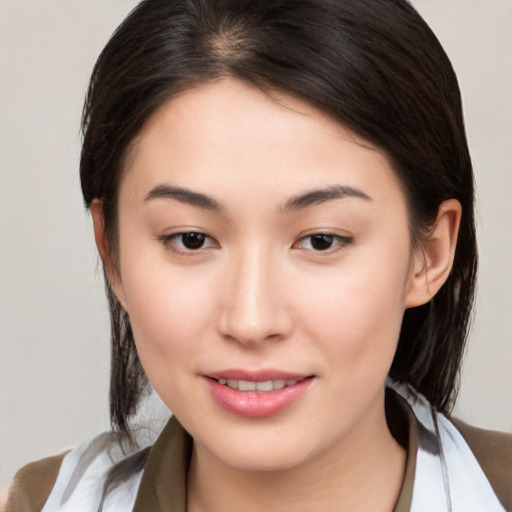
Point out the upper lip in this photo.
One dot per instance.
(256, 375)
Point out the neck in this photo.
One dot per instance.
(362, 472)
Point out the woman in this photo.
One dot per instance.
(282, 198)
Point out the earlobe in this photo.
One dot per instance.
(100, 237)
(433, 262)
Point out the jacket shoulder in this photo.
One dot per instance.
(493, 451)
(33, 484)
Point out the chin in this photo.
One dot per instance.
(262, 453)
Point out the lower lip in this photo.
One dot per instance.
(253, 404)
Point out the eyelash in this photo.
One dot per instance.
(170, 242)
(340, 242)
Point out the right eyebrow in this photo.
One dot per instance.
(331, 193)
(183, 195)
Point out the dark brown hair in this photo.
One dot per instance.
(373, 65)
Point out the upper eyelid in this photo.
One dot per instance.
(326, 233)
(171, 237)
(344, 240)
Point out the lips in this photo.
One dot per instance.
(256, 394)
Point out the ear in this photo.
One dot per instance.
(432, 262)
(100, 236)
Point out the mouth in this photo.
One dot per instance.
(264, 386)
(257, 394)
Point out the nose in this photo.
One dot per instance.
(255, 307)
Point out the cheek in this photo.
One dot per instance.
(356, 312)
(168, 310)
(169, 315)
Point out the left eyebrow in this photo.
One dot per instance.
(183, 195)
(314, 197)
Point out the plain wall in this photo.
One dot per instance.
(54, 332)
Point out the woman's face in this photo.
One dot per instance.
(263, 245)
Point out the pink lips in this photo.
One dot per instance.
(256, 404)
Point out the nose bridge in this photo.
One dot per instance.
(254, 310)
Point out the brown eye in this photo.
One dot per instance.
(321, 242)
(188, 242)
(192, 240)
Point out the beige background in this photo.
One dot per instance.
(53, 319)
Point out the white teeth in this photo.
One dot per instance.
(268, 385)
(262, 386)
(232, 383)
(245, 385)
(279, 384)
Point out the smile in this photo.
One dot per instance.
(257, 394)
(261, 386)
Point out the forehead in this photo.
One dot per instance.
(225, 136)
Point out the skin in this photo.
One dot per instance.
(258, 295)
